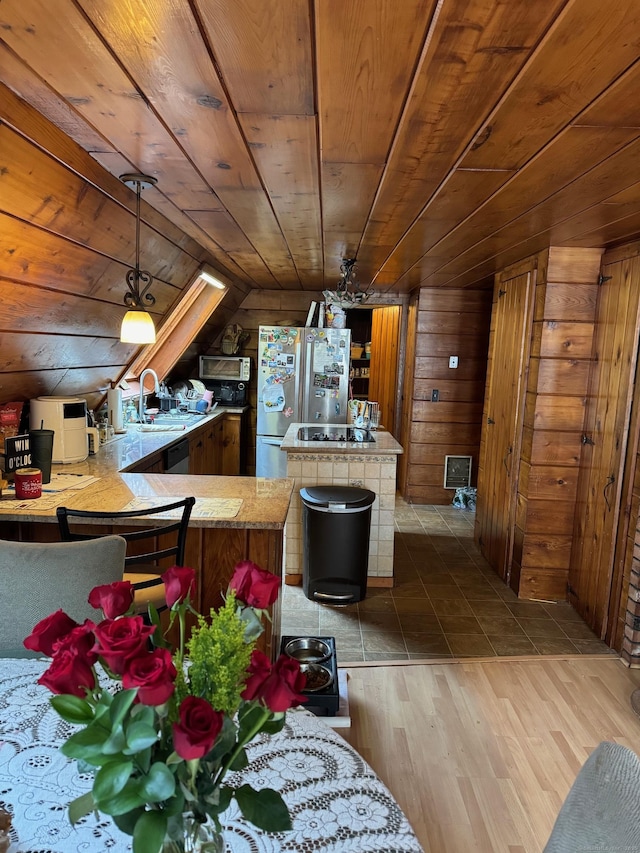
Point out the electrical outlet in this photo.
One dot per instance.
(435, 396)
(453, 361)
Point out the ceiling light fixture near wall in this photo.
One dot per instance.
(205, 276)
(137, 325)
(348, 292)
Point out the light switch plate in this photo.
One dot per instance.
(453, 361)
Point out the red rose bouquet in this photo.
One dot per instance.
(160, 727)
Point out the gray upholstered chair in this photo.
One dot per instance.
(38, 578)
(602, 809)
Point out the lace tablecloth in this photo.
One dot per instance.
(336, 801)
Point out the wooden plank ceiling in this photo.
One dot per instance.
(436, 140)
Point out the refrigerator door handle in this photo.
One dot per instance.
(274, 442)
(308, 364)
(297, 386)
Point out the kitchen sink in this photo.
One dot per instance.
(186, 419)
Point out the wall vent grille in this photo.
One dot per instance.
(457, 471)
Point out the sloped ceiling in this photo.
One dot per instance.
(436, 140)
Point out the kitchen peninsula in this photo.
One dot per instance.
(366, 464)
(234, 518)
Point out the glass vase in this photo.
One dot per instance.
(194, 837)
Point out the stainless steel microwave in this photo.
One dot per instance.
(225, 367)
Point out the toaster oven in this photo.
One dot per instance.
(224, 368)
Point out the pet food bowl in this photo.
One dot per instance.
(307, 649)
(318, 677)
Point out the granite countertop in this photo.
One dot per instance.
(259, 502)
(383, 444)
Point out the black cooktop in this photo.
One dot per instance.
(335, 433)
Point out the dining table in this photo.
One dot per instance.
(337, 803)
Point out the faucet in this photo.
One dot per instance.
(146, 372)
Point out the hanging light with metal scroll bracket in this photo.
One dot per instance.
(137, 324)
(349, 292)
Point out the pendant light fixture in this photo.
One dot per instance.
(348, 292)
(137, 325)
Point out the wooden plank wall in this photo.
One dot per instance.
(562, 333)
(68, 237)
(449, 322)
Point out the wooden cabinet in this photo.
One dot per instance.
(216, 437)
(534, 446)
(503, 414)
(212, 551)
(153, 464)
(202, 450)
(607, 464)
(197, 460)
(231, 461)
(217, 447)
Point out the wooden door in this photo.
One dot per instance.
(605, 441)
(407, 394)
(383, 376)
(503, 413)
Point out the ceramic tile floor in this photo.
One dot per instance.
(447, 603)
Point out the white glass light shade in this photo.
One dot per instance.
(137, 328)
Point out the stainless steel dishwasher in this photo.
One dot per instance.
(176, 458)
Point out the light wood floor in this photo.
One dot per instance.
(481, 754)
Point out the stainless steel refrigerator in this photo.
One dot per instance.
(303, 376)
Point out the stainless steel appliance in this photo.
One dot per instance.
(227, 376)
(303, 375)
(176, 458)
(228, 392)
(221, 367)
(349, 434)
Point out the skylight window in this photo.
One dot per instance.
(196, 305)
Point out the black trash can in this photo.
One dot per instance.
(336, 526)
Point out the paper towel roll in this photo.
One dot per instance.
(114, 406)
